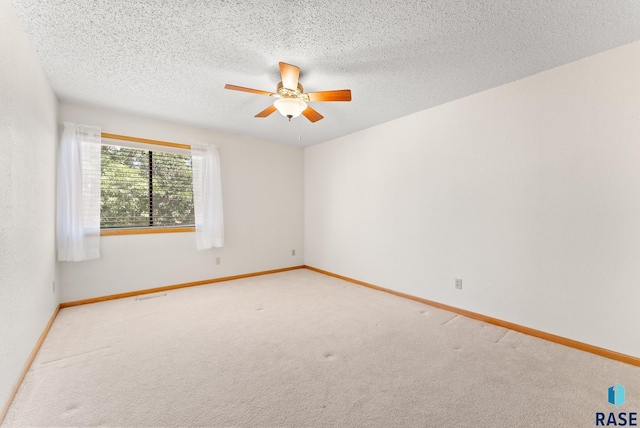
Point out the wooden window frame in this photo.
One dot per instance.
(140, 230)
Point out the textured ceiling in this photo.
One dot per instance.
(171, 59)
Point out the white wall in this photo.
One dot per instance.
(28, 133)
(262, 184)
(529, 192)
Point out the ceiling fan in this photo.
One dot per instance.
(293, 100)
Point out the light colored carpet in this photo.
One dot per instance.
(301, 349)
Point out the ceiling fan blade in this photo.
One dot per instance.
(290, 74)
(266, 112)
(311, 114)
(338, 95)
(251, 91)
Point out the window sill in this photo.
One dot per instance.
(143, 231)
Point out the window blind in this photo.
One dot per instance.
(145, 188)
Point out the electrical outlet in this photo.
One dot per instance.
(293, 252)
(217, 260)
(458, 284)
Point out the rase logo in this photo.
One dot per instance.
(616, 396)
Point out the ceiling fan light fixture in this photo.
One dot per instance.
(290, 107)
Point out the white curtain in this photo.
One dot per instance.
(207, 196)
(78, 208)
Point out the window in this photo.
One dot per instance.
(145, 187)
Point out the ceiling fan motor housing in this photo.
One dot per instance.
(290, 93)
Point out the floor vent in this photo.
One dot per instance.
(151, 297)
